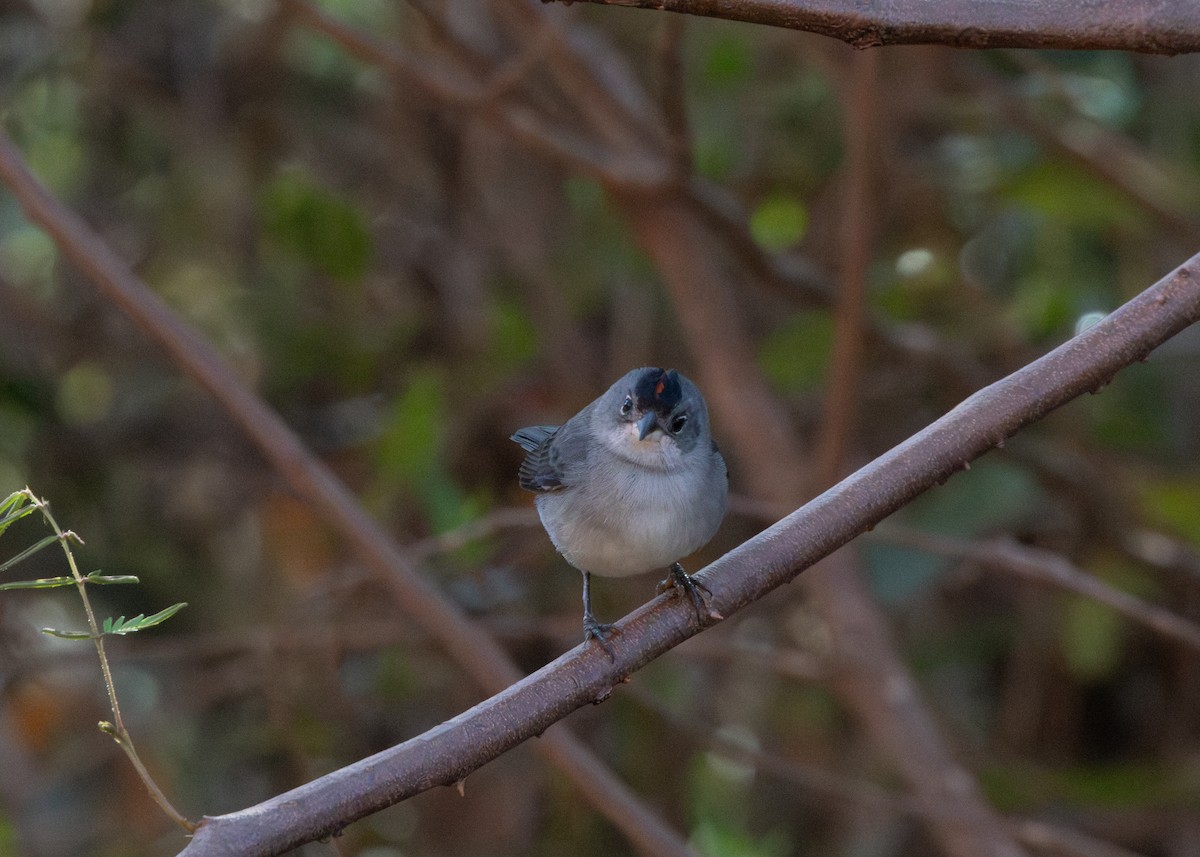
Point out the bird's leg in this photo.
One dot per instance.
(684, 583)
(593, 630)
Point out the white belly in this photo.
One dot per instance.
(641, 526)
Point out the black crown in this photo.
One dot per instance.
(658, 389)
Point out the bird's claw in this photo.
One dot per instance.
(683, 583)
(600, 632)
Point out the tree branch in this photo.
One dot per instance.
(856, 237)
(1051, 569)
(446, 754)
(456, 86)
(475, 650)
(1151, 26)
(449, 752)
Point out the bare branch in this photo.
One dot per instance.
(467, 642)
(1153, 27)
(458, 86)
(447, 753)
(672, 94)
(1042, 566)
(870, 677)
(855, 242)
(1169, 195)
(1047, 837)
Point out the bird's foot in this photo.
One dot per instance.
(684, 584)
(600, 632)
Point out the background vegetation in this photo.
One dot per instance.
(365, 225)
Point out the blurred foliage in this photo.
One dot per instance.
(325, 232)
(406, 284)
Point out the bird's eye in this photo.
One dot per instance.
(627, 405)
(678, 423)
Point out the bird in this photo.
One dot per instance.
(631, 483)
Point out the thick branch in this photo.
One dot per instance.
(465, 641)
(1145, 26)
(447, 753)
(869, 676)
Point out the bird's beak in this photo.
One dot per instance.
(646, 424)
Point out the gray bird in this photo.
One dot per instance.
(631, 483)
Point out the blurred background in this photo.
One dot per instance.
(415, 227)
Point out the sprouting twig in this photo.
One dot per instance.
(116, 728)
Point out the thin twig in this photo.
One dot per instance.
(1042, 566)
(1044, 836)
(1170, 197)
(465, 641)
(503, 518)
(455, 86)
(795, 664)
(585, 675)
(116, 729)
(594, 78)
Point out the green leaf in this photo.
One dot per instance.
(1066, 193)
(15, 507)
(728, 63)
(40, 583)
(515, 336)
(67, 635)
(993, 495)
(1091, 639)
(410, 447)
(715, 154)
(140, 622)
(795, 356)
(1175, 503)
(28, 552)
(317, 225)
(15, 500)
(779, 222)
(107, 579)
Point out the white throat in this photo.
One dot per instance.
(656, 452)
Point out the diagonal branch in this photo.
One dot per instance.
(1052, 569)
(1153, 26)
(454, 85)
(475, 650)
(868, 672)
(869, 675)
(447, 753)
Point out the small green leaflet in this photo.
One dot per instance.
(52, 582)
(15, 507)
(121, 625)
(105, 579)
(67, 635)
(140, 622)
(40, 583)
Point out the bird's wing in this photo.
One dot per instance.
(540, 471)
